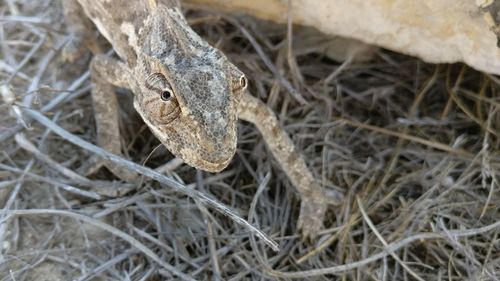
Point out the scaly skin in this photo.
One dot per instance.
(186, 91)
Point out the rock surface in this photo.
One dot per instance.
(437, 31)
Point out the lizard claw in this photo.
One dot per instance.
(312, 214)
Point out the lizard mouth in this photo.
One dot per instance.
(169, 117)
(214, 166)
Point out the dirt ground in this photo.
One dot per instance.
(413, 146)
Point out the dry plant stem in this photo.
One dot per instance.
(8, 204)
(436, 145)
(134, 242)
(379, 236)
(23, 142)
(293, 92)
(313, 205)
(151, 174)
(214, 259)
(102, 188)
(108, 264)
(161, 244)
(207, 218)
(35, 82)
(55, 183)
(252, 215)
(61, 98)
(454, 90)
(397, 151)
(446, 176)
(449, 235)
(26, 59)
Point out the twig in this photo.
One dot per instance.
(295, 94)
(379, 236)
(390, 248)
(99, 224)
(203, 198)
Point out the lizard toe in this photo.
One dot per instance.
(311, 218)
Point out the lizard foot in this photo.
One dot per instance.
(312, 212)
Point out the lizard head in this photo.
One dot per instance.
(188, 93)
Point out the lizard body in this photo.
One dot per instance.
(186, 91)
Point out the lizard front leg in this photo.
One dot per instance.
(105, 74)
(313, 200)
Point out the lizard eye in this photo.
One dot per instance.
(243, 82)
(160, 112)
(166, 95)
(238, 80)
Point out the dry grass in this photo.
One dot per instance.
(414, 146)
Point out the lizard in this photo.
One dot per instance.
(187, 92)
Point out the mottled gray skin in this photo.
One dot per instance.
(187, 92)
(198, 122)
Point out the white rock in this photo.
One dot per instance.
(437, 31)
